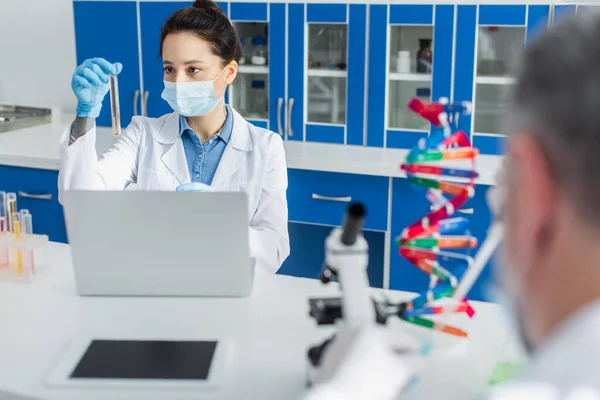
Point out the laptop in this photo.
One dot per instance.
(134, 243)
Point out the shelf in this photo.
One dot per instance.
(495, 80)
(394, 76)
(253, 69)
(325, 72)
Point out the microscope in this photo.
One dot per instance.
(363, 359)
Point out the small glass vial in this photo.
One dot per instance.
(259, 53)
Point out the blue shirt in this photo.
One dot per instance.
(203, 159)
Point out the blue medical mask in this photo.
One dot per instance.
(192, 99)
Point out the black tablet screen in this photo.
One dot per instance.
(134, 359)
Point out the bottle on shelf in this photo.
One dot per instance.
(424, 57)
(403, 62)
(259, 52)
(259, 99)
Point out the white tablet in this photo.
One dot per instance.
(171, 364)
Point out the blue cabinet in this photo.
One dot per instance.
(326, 72)
(399, 69)
(408, 206)
(479, 223)
(307, 243)
(258, 93)
(483, 74)
(322, 197)
(317, 202)
(108, 29)
(37, 191)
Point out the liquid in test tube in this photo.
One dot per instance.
(16, 220)
(3, 229)
(11, 208)
(115, 111)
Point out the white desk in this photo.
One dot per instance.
(271, 329)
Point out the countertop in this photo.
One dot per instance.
(37, 147)
(271, 332)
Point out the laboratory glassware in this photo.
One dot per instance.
(259, 53)
(115, 111)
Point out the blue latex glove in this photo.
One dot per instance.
(90, 85)
(195, 187)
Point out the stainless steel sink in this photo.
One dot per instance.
(18, 117)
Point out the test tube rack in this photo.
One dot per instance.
(21, 257)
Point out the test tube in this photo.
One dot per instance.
(11, 208)
(115, 111)
(3, 213)
(27, 228)
(16, 221)
(3, 229)
(26, 222)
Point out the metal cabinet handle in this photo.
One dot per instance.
(279, 106)
(136, 97)
(145, 104)
(339, 199)
(290, 106)
(35, 196)
(469, 211)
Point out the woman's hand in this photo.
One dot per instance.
(90, 85)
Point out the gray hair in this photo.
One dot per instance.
(557, 100)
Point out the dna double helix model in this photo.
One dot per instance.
(439, 243)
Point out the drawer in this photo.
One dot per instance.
(37, 191)
(322, 197)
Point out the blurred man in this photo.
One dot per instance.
(549, 202)
(551, 264)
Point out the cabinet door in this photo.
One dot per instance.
(108, 29)
(480, 217)
(37, 191)
(408, 206)
(152, 17)
(410, 55)
(307, 252)
(483, 74)
(258, 93)
(326, 72)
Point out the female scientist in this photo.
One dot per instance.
(203, 146)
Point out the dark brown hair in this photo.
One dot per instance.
(206, 19)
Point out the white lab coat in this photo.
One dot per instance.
(150, 154)
(566, 366)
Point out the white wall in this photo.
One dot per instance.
(37, 52)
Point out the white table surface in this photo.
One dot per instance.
(37, 147)
(271, 331)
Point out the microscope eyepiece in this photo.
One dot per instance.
(353, 223)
